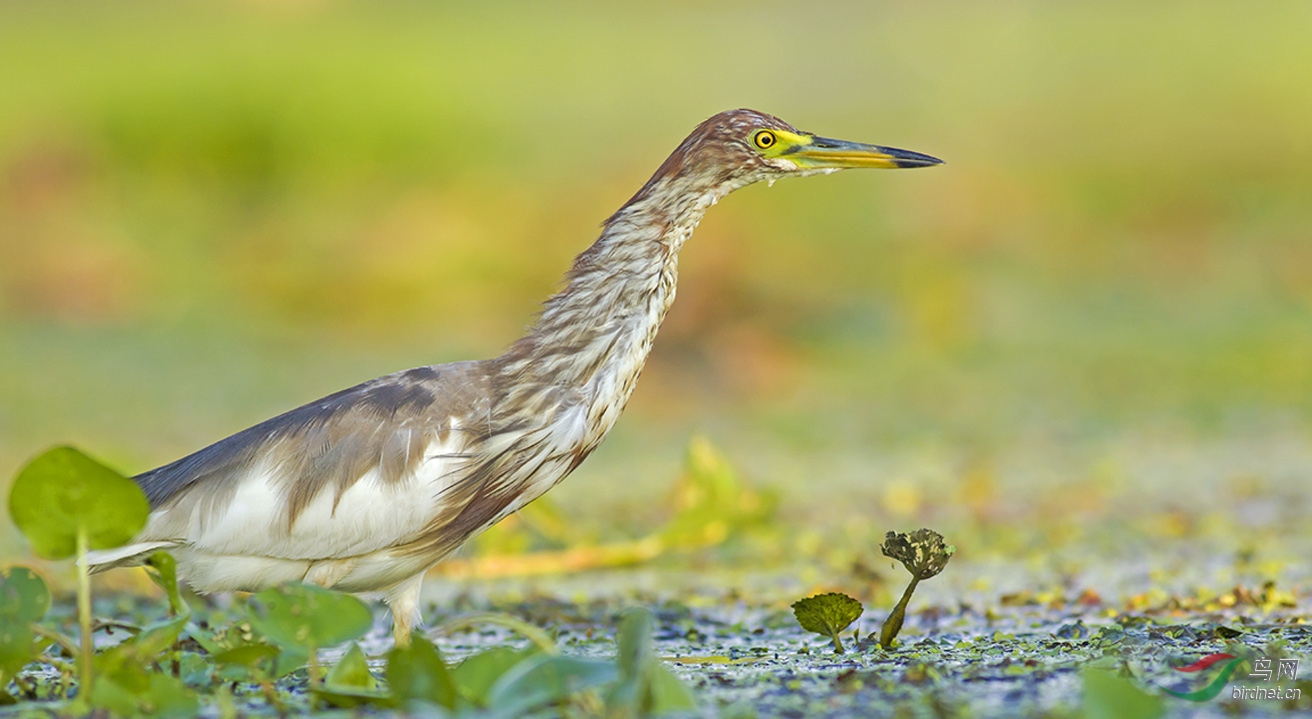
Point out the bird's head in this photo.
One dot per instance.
(739, 147)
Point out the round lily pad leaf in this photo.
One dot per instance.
(64, 491)
(23, 595)
(302, 615)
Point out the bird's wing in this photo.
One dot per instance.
(352, 473)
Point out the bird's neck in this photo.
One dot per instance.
(593, 336)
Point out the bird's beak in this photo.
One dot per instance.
(812, 151)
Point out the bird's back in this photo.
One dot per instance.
(383, 425)
(367, 469)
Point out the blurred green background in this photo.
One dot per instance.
(210, 213)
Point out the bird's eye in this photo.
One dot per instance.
(764, 139)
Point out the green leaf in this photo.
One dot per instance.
(196, 669)
(124, 687)
(125, 666)
(288, 660)
(633, 638)
(669, 693)
(475, 675)
(211, 641)
(16, 647)
(827, 614)
(169, 697)
(110, 694)
(350, 683)
(645, 685)
(258, 660)
(351, 697)
(310, 617)
(252, 662)
(129, 658)
(352, 671)
(158, 637)
(247, 655)
(1107, 696)
(418, 673)
(63, 491)
(543, 679)
(23, 595)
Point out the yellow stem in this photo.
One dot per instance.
(313, 670)
(85, 679)
(893, 624)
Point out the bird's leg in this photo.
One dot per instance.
(401, 625)
(403, 600)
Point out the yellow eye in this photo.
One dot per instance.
(764, 139)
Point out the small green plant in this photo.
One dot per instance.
(646, 687)
(828, 615)
(67, 504)
(129, 682)
(924, 554)
(417, 674)
(301, 619)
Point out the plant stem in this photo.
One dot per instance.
(893, 624)
(838, 644)
(64, 642)
(85, 679)
(112, 624)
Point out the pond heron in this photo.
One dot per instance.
(365, 490)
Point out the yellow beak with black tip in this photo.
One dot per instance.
(827, 152)
(815, 152)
